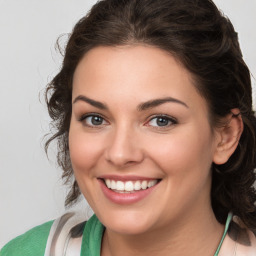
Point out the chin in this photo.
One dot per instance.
(127, 223)
(128, 228)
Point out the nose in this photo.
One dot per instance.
(123, 148)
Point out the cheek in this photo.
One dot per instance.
(84, 151)
(184, 153)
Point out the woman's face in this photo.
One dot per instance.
(140, 127)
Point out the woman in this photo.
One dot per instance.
(153, 109)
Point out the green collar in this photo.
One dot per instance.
(93, 233)
(229, 218)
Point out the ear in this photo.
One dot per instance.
(228, 137)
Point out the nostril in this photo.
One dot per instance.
(123, 158)
(123, 149)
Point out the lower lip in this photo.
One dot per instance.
(125, 198)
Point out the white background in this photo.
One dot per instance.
(31, 191)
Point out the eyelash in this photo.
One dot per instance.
(170, 120)
(91, 115)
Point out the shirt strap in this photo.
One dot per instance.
(229, 218)
(65, 237)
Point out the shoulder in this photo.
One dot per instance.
(239, 241)
(31, 243)
(92, 237)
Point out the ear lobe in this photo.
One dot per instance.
(229, 136)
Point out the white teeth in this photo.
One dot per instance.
(152, 183)
(137, 185)
(119, 185)
(108, 183)
(144, 184)
(128, 186)
(113, 184)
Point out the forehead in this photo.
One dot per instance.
(133, 72)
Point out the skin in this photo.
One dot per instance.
(176, 216)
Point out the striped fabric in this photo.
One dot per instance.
(66, 235)
(239, 241)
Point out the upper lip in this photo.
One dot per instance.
(126, 178)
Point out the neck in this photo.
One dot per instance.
(197, 234)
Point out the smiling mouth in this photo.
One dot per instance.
(129, 186)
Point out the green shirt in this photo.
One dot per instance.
(33, 242)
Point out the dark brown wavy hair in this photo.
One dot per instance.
(197, 34)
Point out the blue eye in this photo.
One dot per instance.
(162, 121)
(93, 120)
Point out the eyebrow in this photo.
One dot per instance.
(156, 102)
(92, 102)
(141, 107)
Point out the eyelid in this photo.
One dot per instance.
(83, 116)
(92, 114)
(173, 121)
(169, 118)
